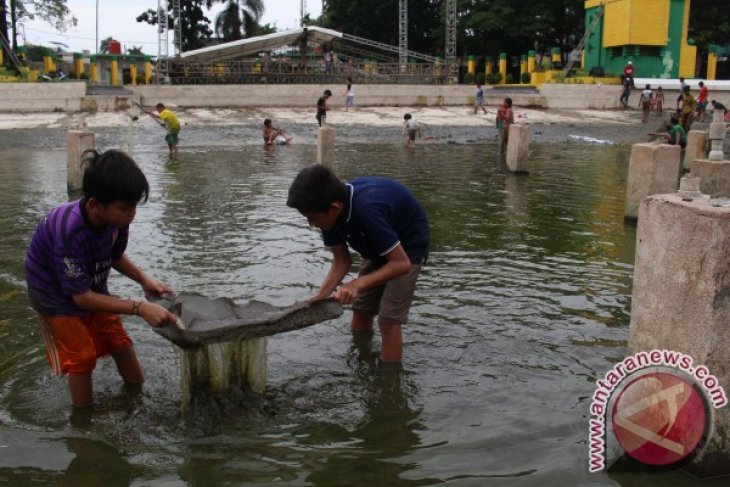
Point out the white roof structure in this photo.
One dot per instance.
(254, 45)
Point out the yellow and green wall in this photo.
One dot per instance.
(650, 33)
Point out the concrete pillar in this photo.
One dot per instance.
(503, 66)
(93, 70)
(518, 146)
(530, 61)
(717, 136)
(326, 146)
(523, 66)
(680, 302)
(219, 368)
(653, 169)
(77, 142)
(714, 176)
(147, 70)
(555, 55)
(133, 72)
(696, 140)
(78, 65)
(471, 64)
(114, 71)
(48, 65)
(488, 66)
(712, 61)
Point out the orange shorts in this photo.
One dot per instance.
(74, 343)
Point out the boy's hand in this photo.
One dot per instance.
(155, 288)
(156, 315)
(347, 293)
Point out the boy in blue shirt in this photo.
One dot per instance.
(381, 220)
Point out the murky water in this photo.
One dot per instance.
(524, 303)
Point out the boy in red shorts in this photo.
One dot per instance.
(67, 266)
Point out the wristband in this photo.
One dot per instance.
(135, 307)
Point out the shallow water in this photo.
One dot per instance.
(524, 303)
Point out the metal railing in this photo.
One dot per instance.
(284, 71)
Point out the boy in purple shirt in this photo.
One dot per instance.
(381, 220)
(67, 266)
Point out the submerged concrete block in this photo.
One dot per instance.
(326, 146)
(681, 300)
(77, 142)
(714, 176)
(518, 147)
(653, 169)
(696, 143)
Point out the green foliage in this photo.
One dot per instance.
(194, 25)
(35, 53)
(54, 12)
(509, 80)
(238, 19)
(709, 23)
(526, 78)
(126, 78)
(497, 78)
(468, 79)
(480, 78)
(135, 51)
(84, 76)
(104, 45)
(139, 79)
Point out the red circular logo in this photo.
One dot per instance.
(659, 418)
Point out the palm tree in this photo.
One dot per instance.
(238, 19)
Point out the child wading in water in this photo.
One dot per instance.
(270, 133)
(349, 95)
(410, 129)
(659, 100)
(322, 108)
(479, 99)
(171, 123)
(67, 265)
(505, 118)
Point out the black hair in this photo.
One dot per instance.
(508, 101)
(267, 122)
(648, 86)
(113, 176)
(686, 89)
(160, 105)
(328, 92)
(407, 116)
(314, 189)
(674, 120)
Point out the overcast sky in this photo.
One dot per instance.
(117, 19)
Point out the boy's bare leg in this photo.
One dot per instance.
(128, 366)
(79, 385)
(391, 349)
(361, 322)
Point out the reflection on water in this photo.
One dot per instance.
(524, 303)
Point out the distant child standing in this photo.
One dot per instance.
(410, 129)
(505, 118)
(67, 266)
(171, 123)
(702, 101)
(322, 107)
(659, 100)
(349, 95)
(689, 105)
(625, 93)
(479, 99)
(645, 103)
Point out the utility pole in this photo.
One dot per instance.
(163, 27)
(450, 50)
(177, 24)
(302, 12)
(403, 33)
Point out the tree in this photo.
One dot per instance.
(104, 45)
(135, 51)
(195, 26)
(55, 12)
(239, 19)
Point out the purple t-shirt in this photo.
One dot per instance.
(68, 256)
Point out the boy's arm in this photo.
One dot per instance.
(150, 285)
(340, 267)
(153, 314)
(397, 265)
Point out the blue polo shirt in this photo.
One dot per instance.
(378, 215)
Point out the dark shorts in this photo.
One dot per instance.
(412, 134)
(391, 301)
(171, 138)
(681, 144)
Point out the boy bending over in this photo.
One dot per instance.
(67, 266)
(381, 220)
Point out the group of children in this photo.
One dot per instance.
(77, 244)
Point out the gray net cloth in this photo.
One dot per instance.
(203, 320)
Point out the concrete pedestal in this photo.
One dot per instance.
(714, 176)
(326, 146)
(77, 142)
(653, 169)
(681, 300)
(517, 148)
(696, 142)
(219, 368)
